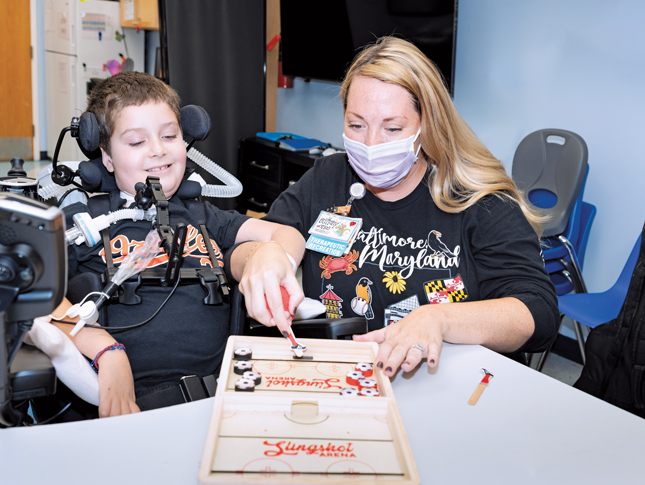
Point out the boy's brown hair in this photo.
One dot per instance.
(113, 94)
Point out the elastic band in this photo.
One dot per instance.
(114, 346)
(293, 262)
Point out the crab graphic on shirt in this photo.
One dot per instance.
(344, 263)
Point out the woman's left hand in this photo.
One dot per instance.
(404, 343)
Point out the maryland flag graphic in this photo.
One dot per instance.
(445, 291)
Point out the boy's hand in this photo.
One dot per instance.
(116, 385)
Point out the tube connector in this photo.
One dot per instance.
(87, 230)
(88, 313)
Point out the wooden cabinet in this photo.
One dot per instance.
(143, 14)
(266, 170)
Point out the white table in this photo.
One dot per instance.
(526, 428)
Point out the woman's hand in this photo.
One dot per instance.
(266, 270)
(404, 343)
(116, 385)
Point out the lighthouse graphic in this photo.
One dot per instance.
(332, 302)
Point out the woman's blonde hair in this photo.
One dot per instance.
(461, 169)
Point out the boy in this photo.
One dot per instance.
(140, 136)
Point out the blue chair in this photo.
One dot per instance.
(593, 309)
(564, 259)
(565, 270)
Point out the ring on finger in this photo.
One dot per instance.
(417, 346)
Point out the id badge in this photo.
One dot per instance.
(333, 234)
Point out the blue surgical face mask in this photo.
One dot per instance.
(384, 165)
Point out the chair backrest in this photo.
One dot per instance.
(575, 224)
(550, 167)
(587, 215)
(622, 284)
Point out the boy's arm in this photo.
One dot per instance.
(261, 266)
(116, 384)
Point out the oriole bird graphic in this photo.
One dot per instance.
(434, 242)
(364, 292)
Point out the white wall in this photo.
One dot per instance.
(525, 65)
(312, 109)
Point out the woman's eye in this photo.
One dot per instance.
(393, 130)
(355, 126)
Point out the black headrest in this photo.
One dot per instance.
(88, 135)
(195, 123)
(95, 177)
(189, 189)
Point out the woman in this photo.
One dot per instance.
(442, 222)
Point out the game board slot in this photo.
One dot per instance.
(269, 476)
(282, 402)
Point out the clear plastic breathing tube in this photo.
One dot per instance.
(87, 230)
(233, 186)
(51, 190)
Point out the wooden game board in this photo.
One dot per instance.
(295, 427)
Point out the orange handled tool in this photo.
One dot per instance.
(480, 388)
(297, 348)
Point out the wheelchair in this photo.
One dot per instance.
(31, 375)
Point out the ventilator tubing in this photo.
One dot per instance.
(87, 230)
(233, 186)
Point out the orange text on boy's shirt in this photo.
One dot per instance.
(121, 246)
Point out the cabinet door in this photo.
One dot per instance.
(262, 166)
(16, 125)
(143, 14)
(256, 197)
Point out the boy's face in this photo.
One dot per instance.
(146, 141)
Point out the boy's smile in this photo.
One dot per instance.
(146, 141)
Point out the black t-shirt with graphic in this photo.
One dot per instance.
(186, 337)
(410, 253)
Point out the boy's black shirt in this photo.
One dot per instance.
(186, 337)
(486, 252)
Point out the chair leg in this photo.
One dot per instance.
(546, 353)
(574, 262)
(542, 360)
(579, 286)
(581, 340)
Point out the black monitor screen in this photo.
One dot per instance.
(321, 37)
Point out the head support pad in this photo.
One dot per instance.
(95, 177)
(88, 135)
(195, 122)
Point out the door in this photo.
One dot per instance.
(16, 121)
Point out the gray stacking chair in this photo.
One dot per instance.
(550, 166)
